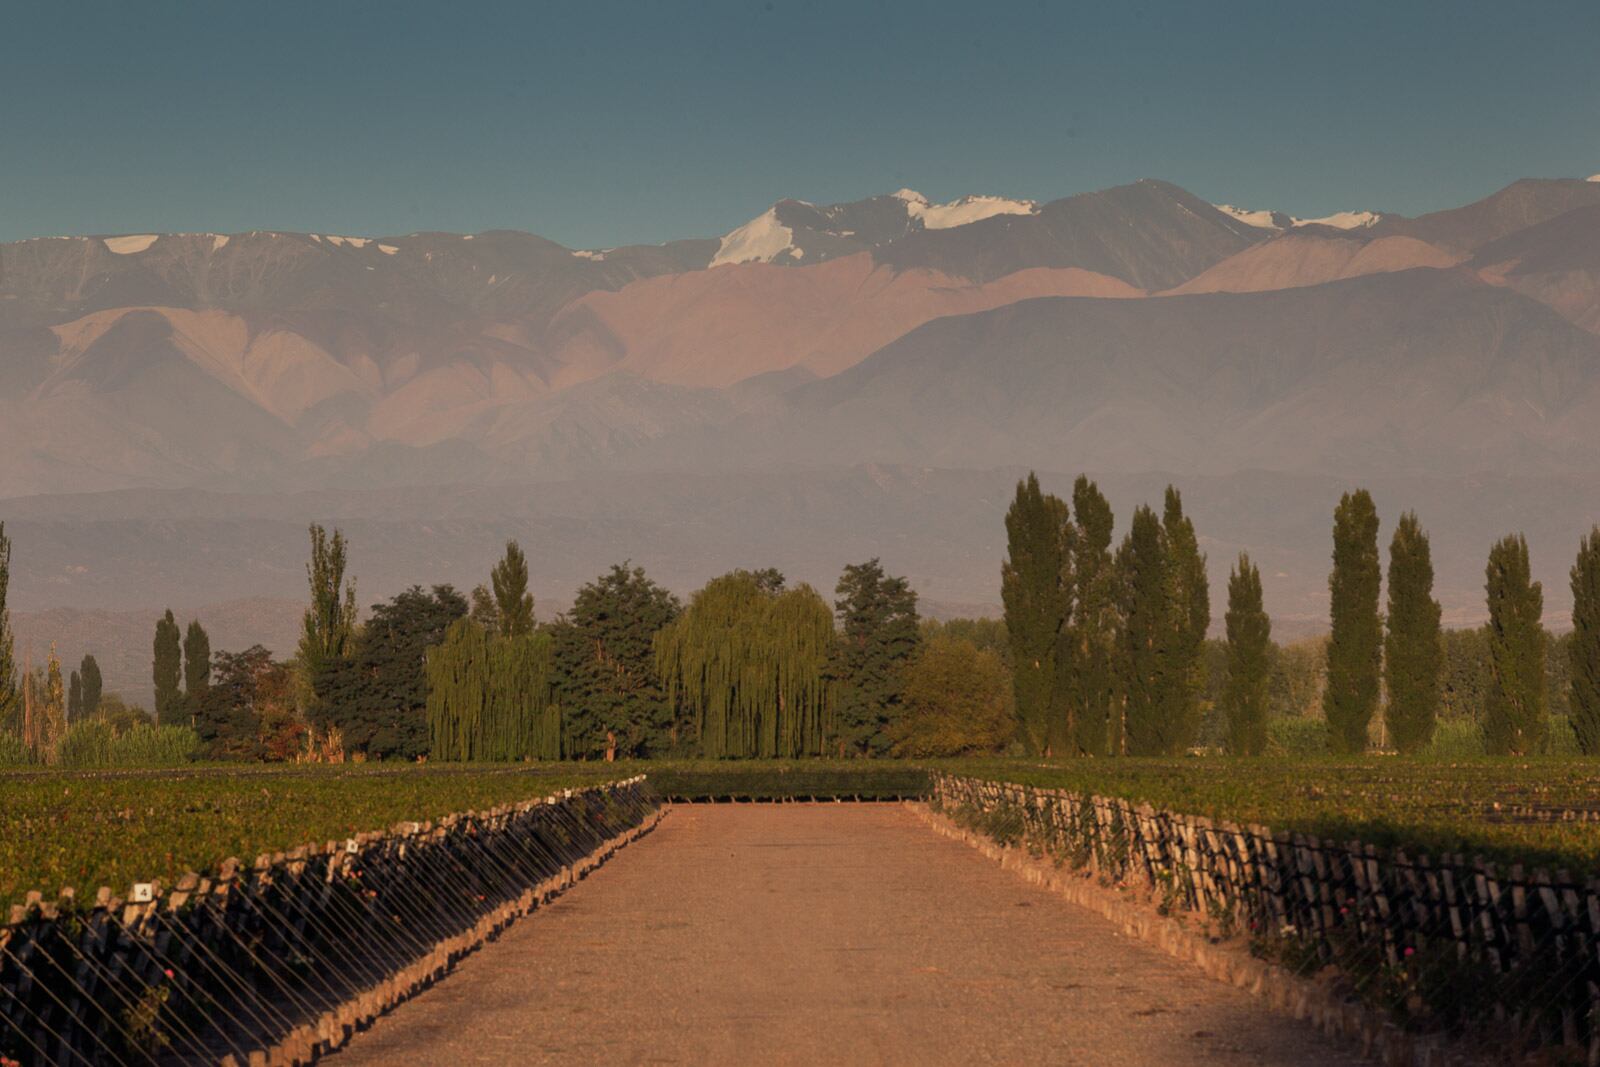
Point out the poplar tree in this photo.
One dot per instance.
(167, 673)
(10, 693)
(328, 630)
(75, 697)
(509, 579)
(1091, 631)
(1515, 713)
(1034, 590)
(1355, 647)
(55, 702)
(1584, 647)
(748, 667)
(1188, 604)
(878, 637)
(1249, 661)
(196, 661)
(1413, 649)
(1141, 573)
(93, 685)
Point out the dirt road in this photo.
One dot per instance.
(824, 934)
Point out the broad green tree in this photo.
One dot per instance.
(1188, 604)
(1515, 717)
(513, 602)
(1413, 651)
(492, 697)
(167, 673)
(196, 661)
(747, 665)
(612, 702)
(10, 678)
(1092, 628)
(1142, 658)
(957, 702)
(93, 685)
(1034, 586)
(1244, 696)
(1583, 649)
(1355, 647)
(878, 636)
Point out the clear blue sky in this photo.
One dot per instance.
(601, 123)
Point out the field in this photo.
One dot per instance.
(1537, 811)
(91, 829)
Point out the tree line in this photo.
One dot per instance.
(1111, 654)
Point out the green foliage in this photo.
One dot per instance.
(748, 665)
(1583, 651)
(878, 637)
(1188, 610)
(612, 701)
(167, 672)
(1455, 739)
(1297, 738)
(1142, 659)
(1355, 648)
(786, 779)
(957, 700)
(1034, 588)
(14, 752)
(1466, 673)
(10, 680)
(196, 661)
(377, 697)
(75, 697)
(1299, 669)
(513, 602)
(1249, 662)
(1515, 714)
(492, 696)
(1091, 634)
(1413, 655)
(232, 715)
(328, 630)
(987, 635)
(93, 685)
(98, 744)
(89, 830)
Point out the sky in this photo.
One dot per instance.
(602, 123)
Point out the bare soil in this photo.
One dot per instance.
(826, 933)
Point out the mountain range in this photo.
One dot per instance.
(820, 383)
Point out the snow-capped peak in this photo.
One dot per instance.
(961, 211)
(1275, 220)
(1593, 178)
(760, 240)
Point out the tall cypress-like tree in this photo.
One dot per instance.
(328, 630)
(1249, 662)
(878, 637)
(55, 702)
(1355, 647)
(93, 685)
(75, 697)
(509, 578)
(10, 679)
(167, 673)
(1413, 649)
(1142, 659)
(1092, 629)
(1188, 602)
(1034, 589)
(1584, 648)
(1515, 714)
(196, 661)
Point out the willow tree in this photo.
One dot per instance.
(747, 663)
(491, 696)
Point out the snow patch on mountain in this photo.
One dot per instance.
(1273, 220)
(760, 240)
(353, 242)
(1593, 178)
(131, 244)
(1344, 220)
(961, 211)
(1260, 219)
(219, 241)
(595, 254)
(388, 250)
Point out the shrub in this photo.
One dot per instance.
(1297, 737)
(13, 753)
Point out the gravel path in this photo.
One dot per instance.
(824, 934)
